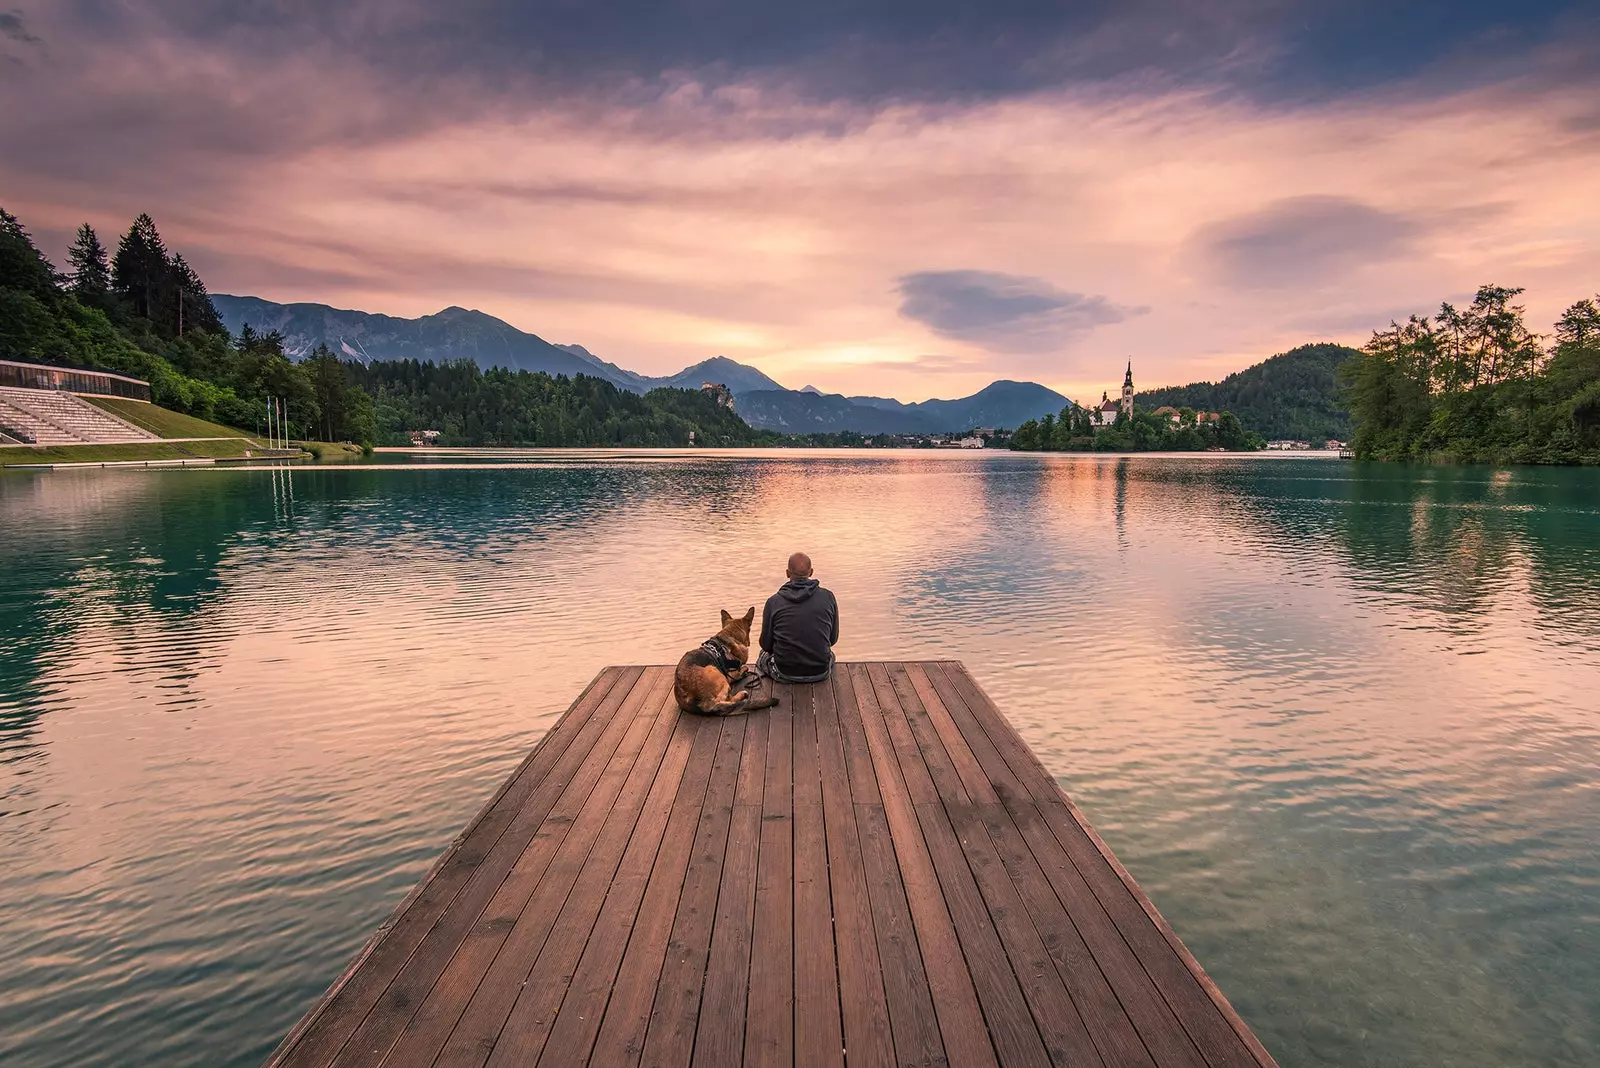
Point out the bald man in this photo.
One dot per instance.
(799, 628)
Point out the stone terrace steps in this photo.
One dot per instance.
(57, 418)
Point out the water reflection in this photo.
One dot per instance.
(1337, 719)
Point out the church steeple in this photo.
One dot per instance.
(1127, 391)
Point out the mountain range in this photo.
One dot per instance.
(460, 333)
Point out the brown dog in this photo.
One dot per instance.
(712, 681)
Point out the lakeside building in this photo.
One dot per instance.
(41, 404)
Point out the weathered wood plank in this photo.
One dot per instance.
(534, 986)
(912, 1020)
(960, 1018)
(636, 919)
(325, 1029)
(818, 1035)
(719, 1038)
(861, 997)
(479, 978)
(1223, 1038)
(769, 1021)
(669, 1041)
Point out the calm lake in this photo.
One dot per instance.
(1342, 722)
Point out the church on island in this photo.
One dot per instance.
(1106, 413)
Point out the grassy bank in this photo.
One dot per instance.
(221, 449)
(162, 422)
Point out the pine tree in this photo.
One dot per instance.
(22, 265)
(91, 271)
(140, 267)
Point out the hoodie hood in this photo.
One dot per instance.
(798, 590)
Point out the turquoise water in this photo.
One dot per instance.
(1340, 721)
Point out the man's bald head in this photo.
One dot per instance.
(799, 566)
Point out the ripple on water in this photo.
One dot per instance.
(1334, 718)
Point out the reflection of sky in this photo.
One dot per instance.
(1335, 719)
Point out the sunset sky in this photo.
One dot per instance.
(907, 198)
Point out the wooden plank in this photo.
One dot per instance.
(1136, 994)
(940, 732)
(863, 1006)
(510, 1012)
(818, 1034)
(1108, 1024)
(451, 960)
(636, 919)
(912, 1020)
(462, 880)
(1211, 1022)
(964, 1035)
(857, 760)
(769, 1024)
(719, 1035)
(1162, 1034)
(669, 1040)
(1003, 781)
(320, 1032)
(1016, 1035)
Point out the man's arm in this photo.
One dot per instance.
(833, 638)
(766, 626)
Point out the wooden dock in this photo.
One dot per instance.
(876, 872)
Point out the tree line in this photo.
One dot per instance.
(143, 311)
(1475, 384)
(1294, 394)
(1075, 430)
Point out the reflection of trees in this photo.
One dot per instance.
(112, 556)
(1451, 540)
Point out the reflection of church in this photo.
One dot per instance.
(1106, 413)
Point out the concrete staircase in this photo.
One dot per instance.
(54, 418)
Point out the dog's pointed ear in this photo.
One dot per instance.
(726, 618)
(749, 617)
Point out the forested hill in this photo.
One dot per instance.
(143, 311)
(1295, 394)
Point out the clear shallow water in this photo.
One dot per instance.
(1340, 721)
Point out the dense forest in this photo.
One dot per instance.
(1294, 394)
(1074, 430)
(469, 406)
(143, 311)
(1476, 385)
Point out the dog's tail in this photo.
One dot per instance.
(740, 705)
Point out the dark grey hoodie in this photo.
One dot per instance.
(799, 627)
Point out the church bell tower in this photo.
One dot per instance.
(1127, 392)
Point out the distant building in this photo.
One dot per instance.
(1334, 445)
(423, 438)
(1289, 446)
(719, 393)
(973, 442)
(1106, 412)
(1171, 414)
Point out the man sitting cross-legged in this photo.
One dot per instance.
(799, 628)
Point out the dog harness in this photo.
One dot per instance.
(721, 657)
